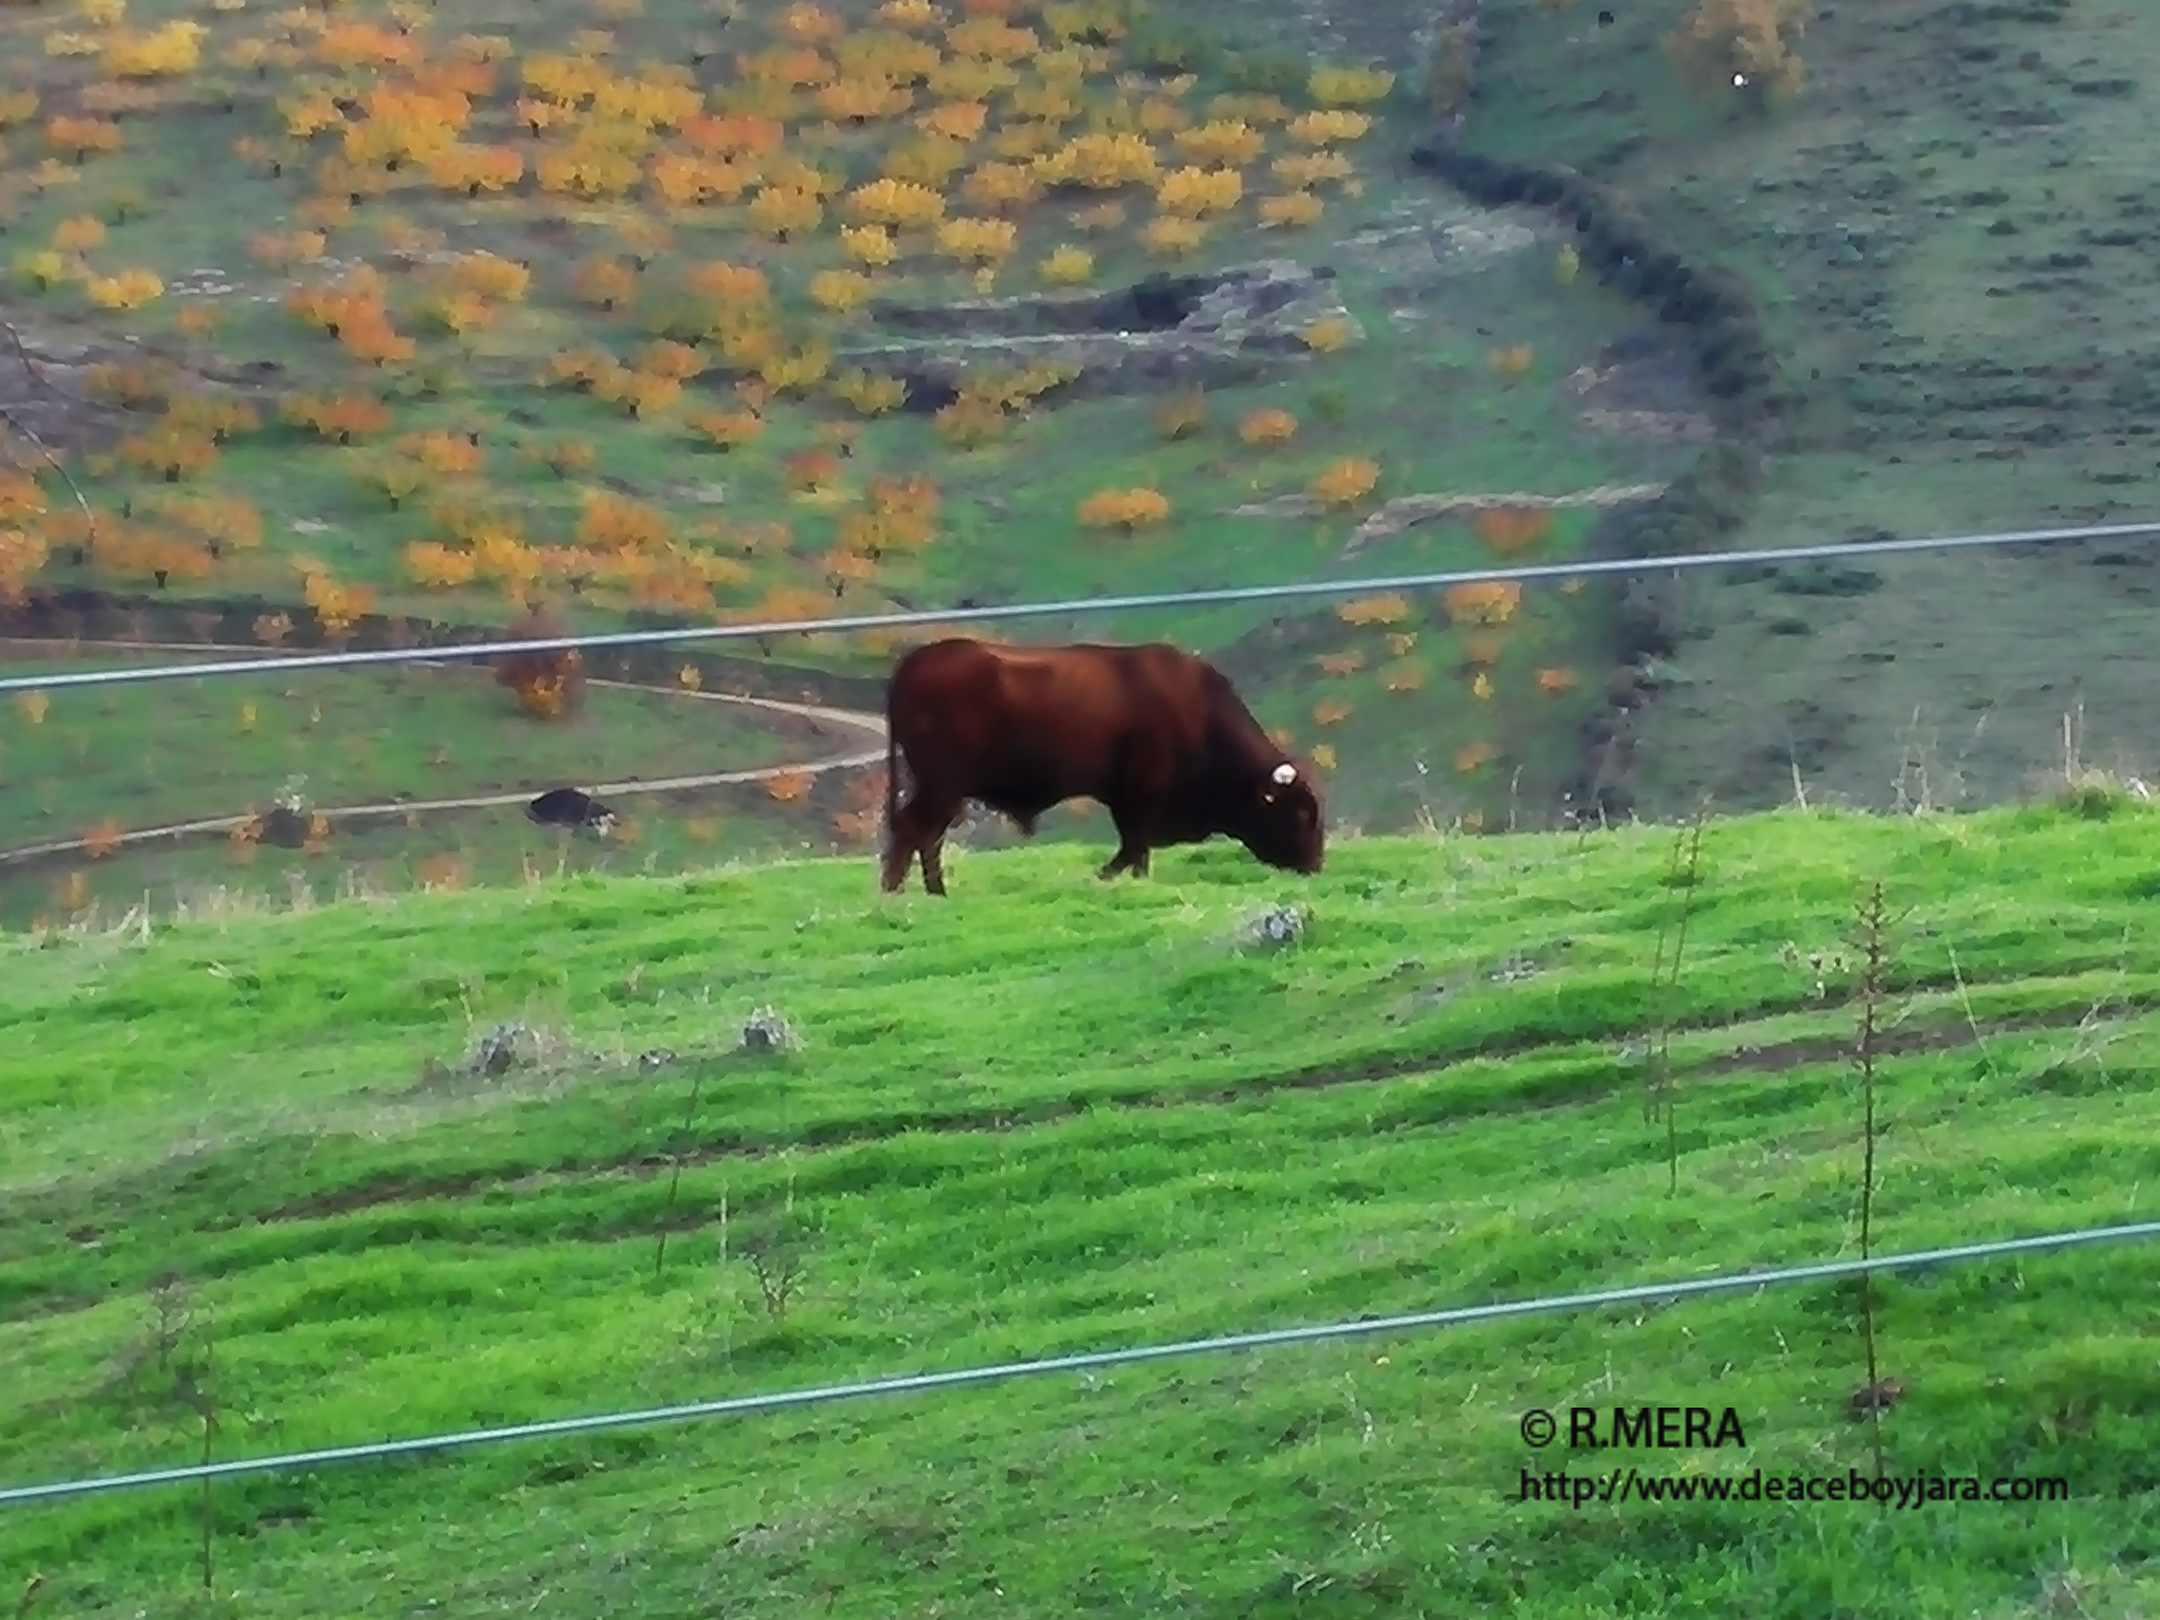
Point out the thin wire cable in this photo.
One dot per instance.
(915, 1382)
(1077, 606)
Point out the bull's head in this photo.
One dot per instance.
(1286, 825)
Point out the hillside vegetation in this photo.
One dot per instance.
(392, 1167)
(365, 320)
(374, 320)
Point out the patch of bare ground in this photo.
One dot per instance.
(46, 396)
(1409, 511)
(1651, 396)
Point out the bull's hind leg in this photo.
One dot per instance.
(899, 856)
(918, 832)
(933, 847)
(903, 843)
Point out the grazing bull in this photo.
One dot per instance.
(568, 807)
(1155, 735)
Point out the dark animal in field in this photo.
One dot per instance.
(568, 807)
(1157, 736)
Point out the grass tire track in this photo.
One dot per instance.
(1913, 1038)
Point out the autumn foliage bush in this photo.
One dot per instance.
(1728, 44)
(1482, 601)
(549, 684)
(1391, 608)
(1511, 528)
(1124, 509)
(1346, 482)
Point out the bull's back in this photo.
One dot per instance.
(1034, 712)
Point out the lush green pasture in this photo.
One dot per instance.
(1046, 1115)
(1950, 230)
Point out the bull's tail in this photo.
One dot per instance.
(892, 779)
(898, 855)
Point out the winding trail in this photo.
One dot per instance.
(1408, 511)
(869, 726)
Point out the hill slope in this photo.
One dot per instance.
(1949, 253)
(1047, 1115)
(384, 322)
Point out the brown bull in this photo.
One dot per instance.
(1155, 735)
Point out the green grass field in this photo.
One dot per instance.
(257, 1167)
(1048, 1115)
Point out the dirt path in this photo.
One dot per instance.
(1408, 511)
(870, 727)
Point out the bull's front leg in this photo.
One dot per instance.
(1143, 785)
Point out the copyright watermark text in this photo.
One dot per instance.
(1658, 1428)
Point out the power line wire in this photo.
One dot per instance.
(1078, 606)
(742, 1405)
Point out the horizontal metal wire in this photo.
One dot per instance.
(914, 1383)
(1078, 606)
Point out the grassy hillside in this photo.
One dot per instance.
(386, 311)
(1949, 228)
(1942, 228)
(256, 1151)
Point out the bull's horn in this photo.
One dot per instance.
(1285, 775)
